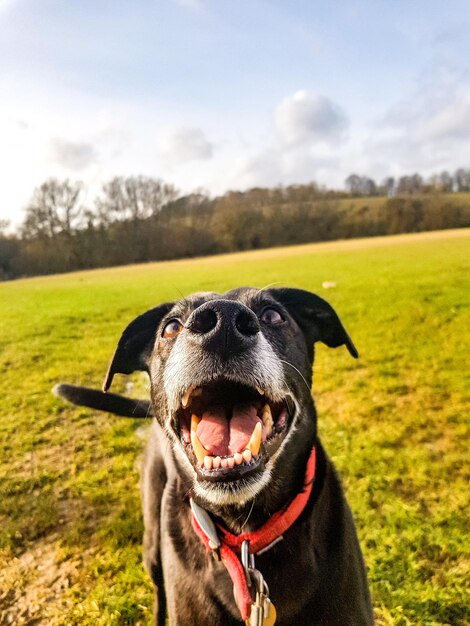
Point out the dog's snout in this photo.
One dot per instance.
(223, 326)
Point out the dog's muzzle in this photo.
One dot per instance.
(231, 413)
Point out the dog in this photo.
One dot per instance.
(245, 517)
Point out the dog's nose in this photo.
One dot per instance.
(223, 326)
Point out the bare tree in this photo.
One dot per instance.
(442, 182)
(408, 185)
(133, 198)
(361, 185)
(389, 186)
(54, 208)
(353, 184)
(462, 180)
(368, 186)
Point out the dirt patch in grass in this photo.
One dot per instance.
(35, 585)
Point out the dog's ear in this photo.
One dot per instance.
(136, 343)
(316, 318)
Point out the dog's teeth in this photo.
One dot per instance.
(238, 458)
(260, 391)
(255, 439)
(197, 391)
(208, 462)
(198, 448)
(216, 461)
(194, 422)
(246, 454)
(268, 419)
(224, 463)
(230, 462)
(186, 397)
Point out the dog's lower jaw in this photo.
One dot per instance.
(238, 492)
(225, 494)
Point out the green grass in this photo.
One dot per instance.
(393, 422)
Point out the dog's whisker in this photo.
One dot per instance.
(269, 286)
(298, 372)
(248, 516)
(180, 293)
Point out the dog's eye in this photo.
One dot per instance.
(173, 328)
(272, 317)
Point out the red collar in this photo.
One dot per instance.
(228, 546)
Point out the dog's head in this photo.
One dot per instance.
(230, 381)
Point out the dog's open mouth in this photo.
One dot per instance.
(229, 430)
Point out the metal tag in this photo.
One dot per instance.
(262, 613)
(269, 613)
(256, 615)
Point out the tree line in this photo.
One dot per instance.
(137, 219)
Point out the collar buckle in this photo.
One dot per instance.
(262, 610)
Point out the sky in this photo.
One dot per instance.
(219, 94)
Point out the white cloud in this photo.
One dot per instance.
(306, 118)
(307, 145)
(276, 166)
(427, 131)
(72, 155)
(452, 121)
(186, 144)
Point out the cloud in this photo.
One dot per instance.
(452, 121)
(72, 155)
(275, 165)
(306, 118)
(186, 144)
(427, 131)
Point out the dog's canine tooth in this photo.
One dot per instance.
(186, 397)
(194, 422)
(199, 449)
(255, 439)
(246, 454)
(208, 462)
(238, 458)
(267, 419)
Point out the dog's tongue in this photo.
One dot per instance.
(213, 431)
(223, 436)
(242, 425)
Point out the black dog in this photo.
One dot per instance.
(234, 468)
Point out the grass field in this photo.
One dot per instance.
(461, 199)
(393, 422)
